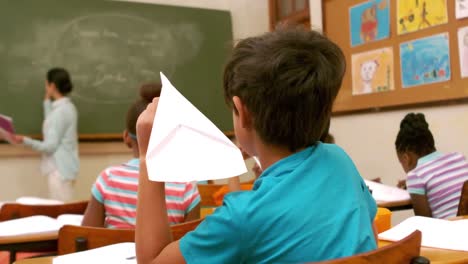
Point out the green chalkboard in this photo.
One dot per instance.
(109, 48)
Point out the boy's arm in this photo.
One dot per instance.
(152, 235)
(94, 215)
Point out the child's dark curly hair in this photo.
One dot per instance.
(415, 136)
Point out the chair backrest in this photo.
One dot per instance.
(77, 238)
(463, 205)
(11, 211)
(405, 251)
(206, 193)
(179, 230)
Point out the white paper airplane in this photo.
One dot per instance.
(186, 146)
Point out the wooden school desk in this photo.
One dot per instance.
(439, 256)
(42, 242)
(436, 256)
(397, 205)
(43, 260)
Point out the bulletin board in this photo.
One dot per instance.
(431, 74)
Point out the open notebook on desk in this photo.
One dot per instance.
(37, 201)
(37, 224)
(122, 253)
(436, 233)
(386, 193)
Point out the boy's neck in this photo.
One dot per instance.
(269, 155)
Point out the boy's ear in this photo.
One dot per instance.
(245, 118)
(127, 139)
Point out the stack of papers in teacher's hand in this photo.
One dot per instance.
(436, 233)
(37, 224)
(122, 253)
(6, 128)
(386, 193)
(186, 146)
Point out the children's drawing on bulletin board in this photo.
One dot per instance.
(463, 50)
(461, 8)
(369, 21)
(413, 15)
(372, 71)
(425, 60)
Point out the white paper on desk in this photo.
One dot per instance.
(436, 233)
(70, 219)
(30, 200)
(29, 225)
(186, 146)
(37, 224)
(122, 253)
(385, 193)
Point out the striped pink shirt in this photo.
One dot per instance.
(116, 188)
(440, 177)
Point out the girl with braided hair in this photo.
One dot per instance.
(434, 179)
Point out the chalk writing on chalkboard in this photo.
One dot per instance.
(108, 54)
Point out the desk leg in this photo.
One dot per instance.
(12, 256)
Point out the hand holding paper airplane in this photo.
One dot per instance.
(185, 145)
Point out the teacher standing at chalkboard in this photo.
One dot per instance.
(59, 148)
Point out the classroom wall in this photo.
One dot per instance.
(20, 174)
(369, 138)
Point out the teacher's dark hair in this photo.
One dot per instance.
(61, 78)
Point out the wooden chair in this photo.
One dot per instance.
(179, 230)
(77, 238)
(404, 251)
(207, 190)
(11, 211)
(463, 205)
(206, 194)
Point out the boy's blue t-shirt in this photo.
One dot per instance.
(310, 206)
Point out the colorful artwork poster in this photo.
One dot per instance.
(463, 50)
(373, 71)
(369, 21)
(461, 9)
(414, 15)
(425, 60)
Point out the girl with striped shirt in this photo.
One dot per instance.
(114, 194)
(434, 179)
